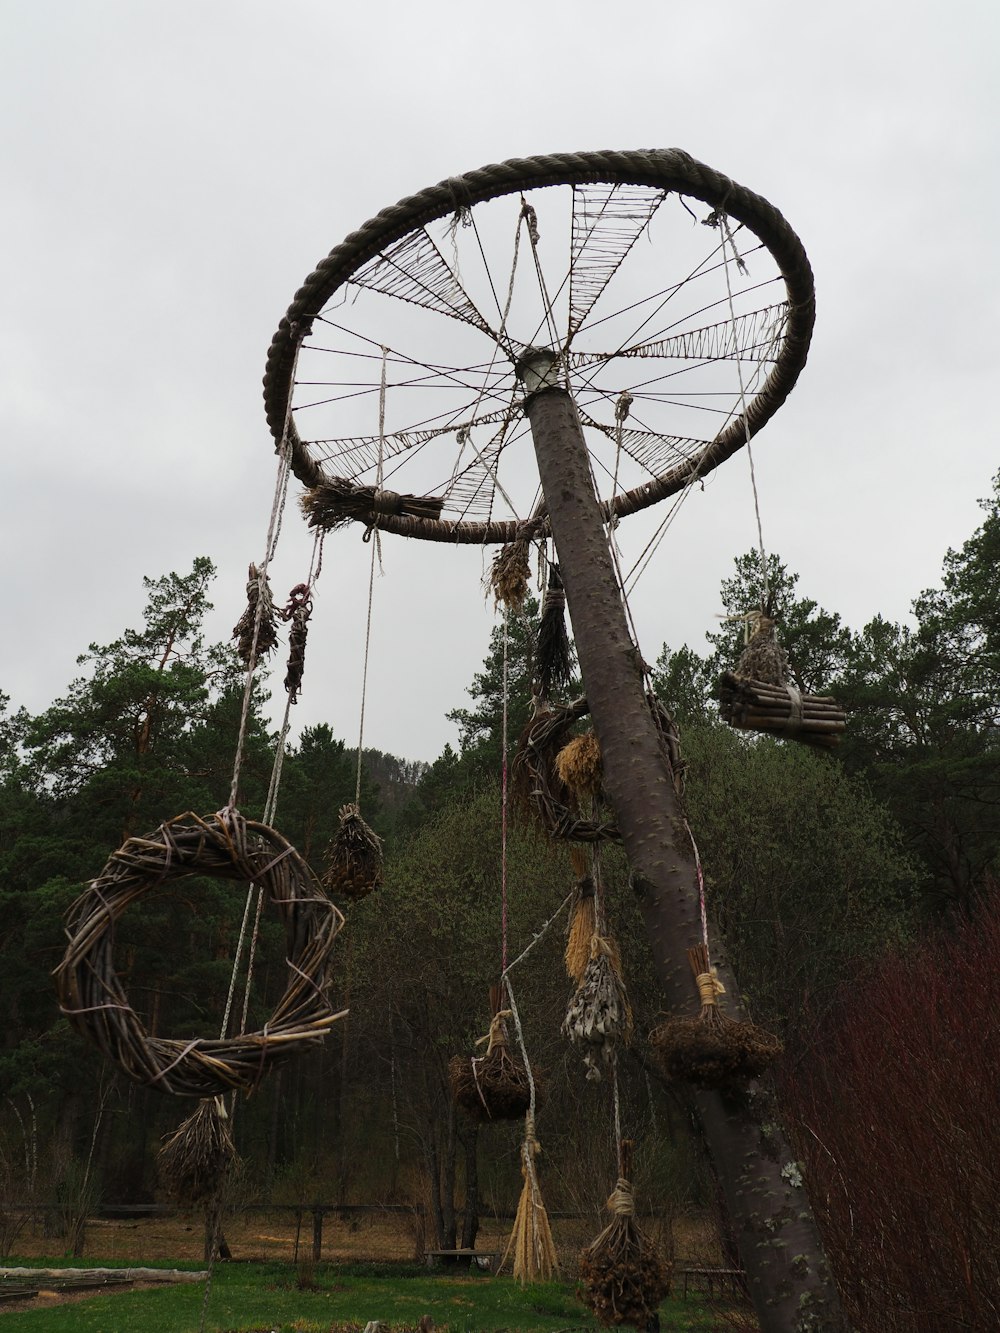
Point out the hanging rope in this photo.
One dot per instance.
(503, 798)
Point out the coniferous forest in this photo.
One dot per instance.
(857, 891)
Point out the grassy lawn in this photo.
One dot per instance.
(247, 1298)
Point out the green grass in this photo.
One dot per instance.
(265, 1297)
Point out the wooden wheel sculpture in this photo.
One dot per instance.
(677, 341)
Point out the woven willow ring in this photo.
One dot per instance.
(219, 846)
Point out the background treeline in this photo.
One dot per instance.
(845, 883)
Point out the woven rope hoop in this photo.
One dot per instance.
(219, 846)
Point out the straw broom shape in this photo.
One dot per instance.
(535, 1258)
(493, 1086)
(354, 857)
(599, 1014)
(510, 574)
(335, 502)
(624, 1276)
(578, 765)
(554, 657)
(763, 657)
(712, 1050)
(194, 1160)
(258, 594)
(582, 917)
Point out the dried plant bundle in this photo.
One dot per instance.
(297, 611)
(763, 657)
(537, 784)
(580, 932)
(712, 1050)
(219, 846)
(578, 765)
(624, 1277)
(336, 502)
(260, 604)
(510, 574)
(553, 654)
(194, 1160)
(494, 1086)
(354, 857)
(531, 1243)
(599, 1014)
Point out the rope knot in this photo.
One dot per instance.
(497, 1035)
(385, 502)
(621, 1201)
(709, 986)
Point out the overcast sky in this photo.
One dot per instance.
(171, 173)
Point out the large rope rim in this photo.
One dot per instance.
(221, 846)
(669, 169)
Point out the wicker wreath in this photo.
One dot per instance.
(536, 778)
(220, 846)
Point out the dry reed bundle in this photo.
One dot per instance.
(220, 846)
(354, 857)
(712, 1050)
(534, 1251)
(510, 574)
(553, 654)
(582, 920)
(763, 657)
(297, 610)
(494, 1086)
(194, 1160)
(335, 502)
(578, 765)
(624, 1276)
(258, 595)
(781, 710)
(538, 785)
(599, 1014)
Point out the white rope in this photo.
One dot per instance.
(376, 551)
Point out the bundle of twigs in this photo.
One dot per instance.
(220, 846)
(757, 705)
(354, 857)
(194, 1160)
(763, 657)
(582, 916)
(712, 1050)
(259, 603)
(494, 1086)
(297, 610)
(336, 502)
(553, 654)
(534, 1251)
(510, 574)
(599, 1014)
(624, 1276)
(538, 785)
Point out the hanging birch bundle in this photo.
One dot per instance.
(194, 1160)
(510, 574)
(554, 661)
(624, 1276)
(534, 1251)
(712, 1050)
(599, 1014)
(494, 1086)
(297, 611)
(354, 857)
(259, 602)
(582, 917)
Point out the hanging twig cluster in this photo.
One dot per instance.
(599, 1016)
(336, 502)
(494, 1086)
(354, 857)
(194, 1160)
(296, 612)
(260, 603)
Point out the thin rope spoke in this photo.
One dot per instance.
(605, 226)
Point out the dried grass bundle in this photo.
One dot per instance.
(297, 611)
(220, 846)
(494, 1086)
(194, 1160)
(624, 1276)
(354, 857)
(510, 574)
(537, 784)
(599, 1014)
(259, 601)
(553, 655)
(580, 932)
(335, 502)
(534, 1251)
(578, 765)
(712, 1050)
(763, 657)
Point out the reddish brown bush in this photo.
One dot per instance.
(897, 1117)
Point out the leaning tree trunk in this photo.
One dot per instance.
(789, 1279)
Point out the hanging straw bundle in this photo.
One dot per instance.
(578, 765)
(259, 602)
(582, 917)
(335, 502)
(298, 610)
(194, 1160)
(624, 1275)
(763, 657)
(599, 1014)
(553, 659)
(494, 1086)
(354, 857)
(510, 574)
(712, 1050)
(534, 1251)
